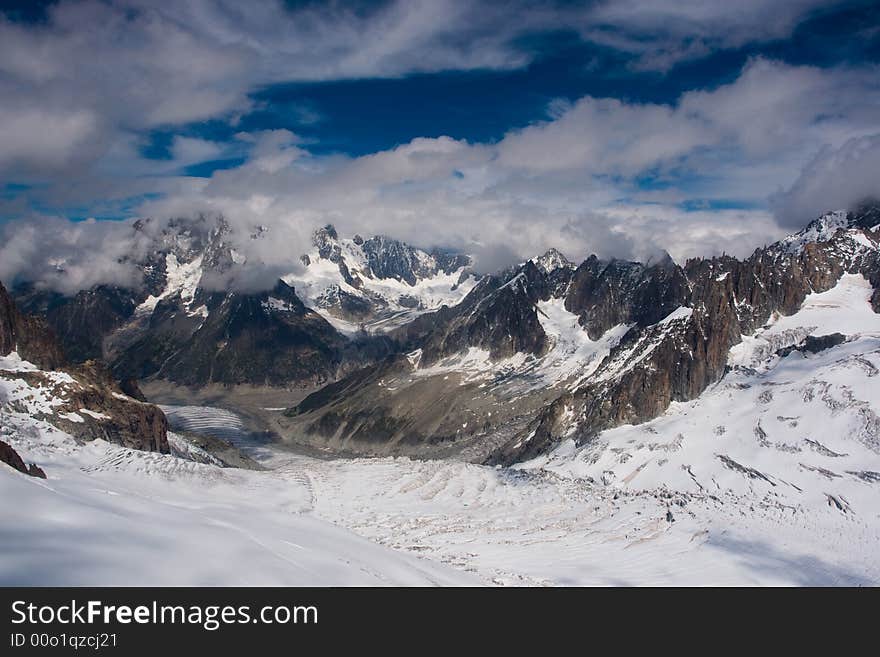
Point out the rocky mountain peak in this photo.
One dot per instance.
(325, 239)
(552, 259)
(821, 229)
(219, 256)
(391, 258)
(824, 228)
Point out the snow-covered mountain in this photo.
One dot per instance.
(533, 357)
(500, 368)
(378, 283)
(768, 477)
(38, 384)
(711, 423)
(794, 420)
(186, 324)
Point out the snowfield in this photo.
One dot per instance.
(113, 517)
(771, 477)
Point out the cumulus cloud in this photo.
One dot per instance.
(606, 135)
(33, 138)
(94, 72)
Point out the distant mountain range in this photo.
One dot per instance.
(410, 352)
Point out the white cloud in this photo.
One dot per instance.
(605, 135)
(68, 256)
(99, 74)
(43, 139)
(663, 33)
(835, 178)
(191, 150)
(773, 106)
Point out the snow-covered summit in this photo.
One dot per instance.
(551, 260)
(377, 283)
(854, 225)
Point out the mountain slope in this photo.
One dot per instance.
(793, 425)
(126, 517)
(531, 357)
(37, 383)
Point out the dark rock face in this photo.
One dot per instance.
(11, 458)
(389, 258)
(498, 315)
(7, 323)
(110, 415)
(325, 239)
(813, 344)
(266, 338)
(386, 258)
(354, 307)
(114, 416)
(80, 321)
(130, 422)
(29, 336)
(131, 388)
(606, 294)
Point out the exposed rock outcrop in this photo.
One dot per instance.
(83, 400)
(11, 458)
(29, 336)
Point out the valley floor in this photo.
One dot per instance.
(112, 516)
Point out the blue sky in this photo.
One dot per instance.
(361, 116)
(613, 127)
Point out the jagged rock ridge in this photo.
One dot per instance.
(678, 323)
(378, 283)
(189, 321)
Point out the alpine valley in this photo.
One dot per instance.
(382, 414)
